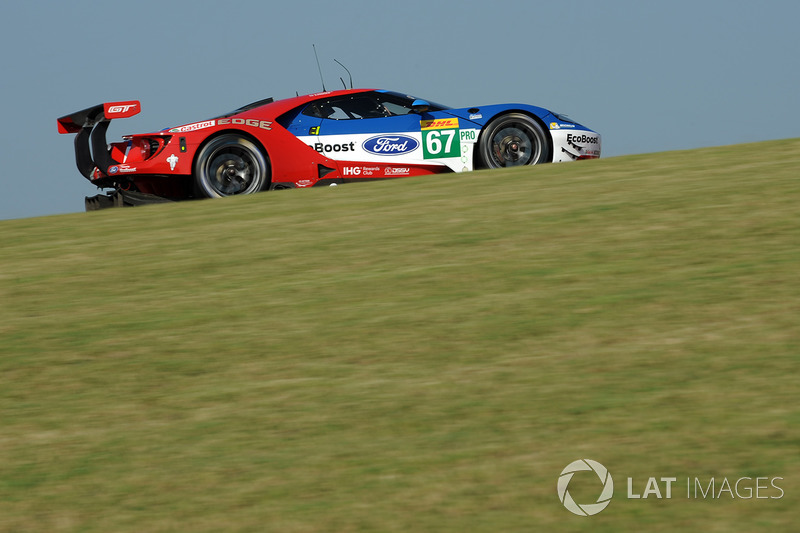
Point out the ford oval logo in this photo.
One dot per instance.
(390, 145)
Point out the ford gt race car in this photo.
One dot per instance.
(328, 138)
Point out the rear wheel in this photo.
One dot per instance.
(230, 165)
(513, 140)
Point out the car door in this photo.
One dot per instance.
(373, 135)
(379, 134)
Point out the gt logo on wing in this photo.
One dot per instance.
(120, 108)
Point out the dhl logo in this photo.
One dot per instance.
(439, 124)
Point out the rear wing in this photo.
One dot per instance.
(91, 125)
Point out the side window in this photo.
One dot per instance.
(366, 107)
(396, 104)
(323, 109)
(350, 107)
(396, 109)
(333, 112)
(378, 104)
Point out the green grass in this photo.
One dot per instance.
(417, 355)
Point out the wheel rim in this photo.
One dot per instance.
(514, 145)
(230, 173)
(513, 140)
(233, 168)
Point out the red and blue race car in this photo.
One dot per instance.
(328, 138)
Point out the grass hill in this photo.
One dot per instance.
(417, 355)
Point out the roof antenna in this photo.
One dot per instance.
(319, 68)
(348, 73)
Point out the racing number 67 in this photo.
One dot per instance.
(439, 143)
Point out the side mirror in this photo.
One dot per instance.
(420, 106)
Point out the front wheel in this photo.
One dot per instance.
(513, 140)
(230, 165)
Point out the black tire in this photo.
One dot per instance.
(230, 165)
(513, 140)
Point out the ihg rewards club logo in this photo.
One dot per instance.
(583, 502)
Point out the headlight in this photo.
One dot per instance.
(563, 118)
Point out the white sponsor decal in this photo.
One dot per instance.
(193, 127)
(360, 171)
(120, 108)
(397, 171)
(589, 139)
(253, 123)
(172, 160)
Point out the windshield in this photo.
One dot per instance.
(248, 107)
(410, 99)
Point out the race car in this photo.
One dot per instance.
(321, 139)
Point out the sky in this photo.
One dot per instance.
(649, 76)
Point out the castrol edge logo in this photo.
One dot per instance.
(253, 123)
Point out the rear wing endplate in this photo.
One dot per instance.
(91, 124)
